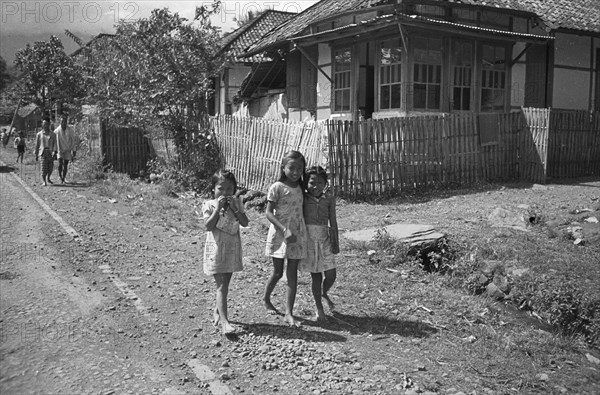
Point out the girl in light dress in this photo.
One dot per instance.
(223, 248)
(287, 233)
(323, 238)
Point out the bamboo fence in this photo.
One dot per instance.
(252, 148)
(391, 155)
(387, 155)
(573, 143)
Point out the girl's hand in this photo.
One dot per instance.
(289, 236)
(335, 247)
(234, 204)
(335, 242)
(222, 202)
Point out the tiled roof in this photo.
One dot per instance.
(240, 39)
(567, 14)
(581, 15)
(317, 11)
(27, 110)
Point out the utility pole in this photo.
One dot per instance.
(14, 116)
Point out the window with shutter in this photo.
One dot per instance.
(293, 79)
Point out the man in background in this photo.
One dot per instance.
(67, 143)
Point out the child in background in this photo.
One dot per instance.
(5, 136)
(223, 249)
(323, 241)
(20, 146)
(287, 233)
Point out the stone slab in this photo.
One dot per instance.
(410, 233)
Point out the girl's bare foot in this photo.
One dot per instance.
(228, 329)
(271, 310)
(292, 321)
(330, 304)
(320, 316)
(216, 318)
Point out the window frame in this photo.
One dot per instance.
(351, 75)
(480, 76)
(442, 75)
(402, 73)
(452, 75)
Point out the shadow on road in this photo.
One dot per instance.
(358, 325)
(7, 169)
(287, 332)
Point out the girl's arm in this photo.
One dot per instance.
(287, 233)
(272, 218)
(333, 228)
(211, 221)
(236, 206)
(37, 146)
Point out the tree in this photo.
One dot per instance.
(158, 69)
(5, 77)
(48, 75)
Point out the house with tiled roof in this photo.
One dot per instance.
(28, 118)
(230, 81)
(385, 58)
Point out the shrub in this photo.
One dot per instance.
(91, 168)
(116, 185)
(571, 310)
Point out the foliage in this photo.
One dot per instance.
(157, 72)
(90, 167)
(570, 309)
(116, 185)
(5, 77)
(437, 257)
(48, 74)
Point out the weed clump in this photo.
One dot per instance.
(91, 168)
(571, 310)
(438, 257)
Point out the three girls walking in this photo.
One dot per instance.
(303, 232)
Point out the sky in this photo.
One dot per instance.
(23, 22)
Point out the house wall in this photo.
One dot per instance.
(517, 92)
(573, 72)
(230, 82)
(271, 106)
(323, 84)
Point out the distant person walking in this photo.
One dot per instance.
(20, 146)
(66, 144)
(287, 234)
(45, 147)
(223, 249)
(5, 136)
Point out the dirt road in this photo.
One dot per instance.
(59, 331)
(124, 307)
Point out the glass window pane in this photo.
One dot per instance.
(346, 99)
(337, 105)
(384, 99)
(457, 99)
(395, 99)
(433, 99)
(419, 97)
